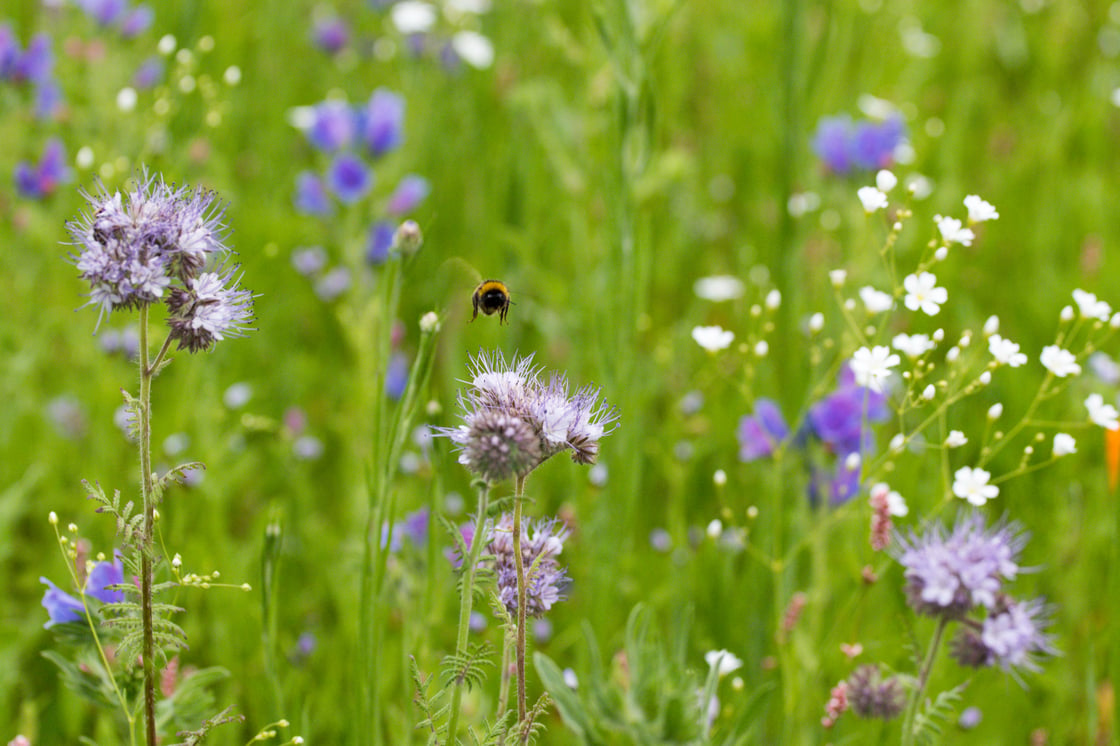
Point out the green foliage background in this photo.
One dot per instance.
(541, 169)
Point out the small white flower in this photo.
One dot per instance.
(885, 181)
(1090, 307)
(126, 99)
(872, 199)
(1066, 313)
(991, 326)
(972, 485)
(713, 338)
(913, 345)
(919, 186)
(1064, 444)
(718, 288)
(719, 478)
(1114, 322)
(995, 411)
(1005, 351)
(837, 277)
(872, 367)
(929, 392)
(897, 442)
(952, 355)
(715, 528)
(773, 299)
(922, 293)
(1060, 362)
(953, 232)
(1102, 414)
(761, 348)
(852, 461)
(956, 439)
(413, 16)
(816, 322)
(723, 661)
(979, 210)
(474, 48)
(876, 300)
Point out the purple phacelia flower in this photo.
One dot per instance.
(1012, 636)
(541, 544)
(311, 195)
(211, 308)
(349, 178)
(410, 192)
(949, 574)
(761, 433)
(334, 126)
(330, 34)
(380, 242)
(382, 122)
(41, 180)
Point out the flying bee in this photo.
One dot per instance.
(491, 296)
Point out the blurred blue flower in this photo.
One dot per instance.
(41, 180)
(330, 34)
(843, 145)
(48, 99)
(62, 607)
(380, 242)
(309, 261)
(9, 51)
(311, 194)
(760, 434)
(382, 122)
(334, 126)
(104, 12)
(36, 63)
(396, 376)
(137, 21)
(410, 192)
(333, 284)
(839, 419)
(148, 74)
(349, 178)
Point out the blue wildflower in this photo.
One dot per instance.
(382, 122)
(333, 128)
(841, 419)
(311, 194)
(830, 143)
(148, 74)
(410, 192)
(330, 34)
(9, 51)
(138, 20)
(760, 434)
(48, 99)
(104, 12)
(62, 607)
(380, 242)
(36, 63)
(843, 145)
(39, 181)
(396, 376)
(349, 178)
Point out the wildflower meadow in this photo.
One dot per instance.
(532, 371)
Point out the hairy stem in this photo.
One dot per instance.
(147, 544)
(923, 680)
(466, 600)
(517, 500)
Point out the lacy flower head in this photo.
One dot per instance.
(541, 544)
(1012, 636)
(948, 575)
(514, 420)
(151, 244)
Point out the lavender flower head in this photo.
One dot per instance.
(514, 420)
(541, 544)
(874, 696)
(152, 244)
(949, 575)
(1011, 636)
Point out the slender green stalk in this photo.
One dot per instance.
(923, 680)
(146, 538)
(466, 601)
(518, 499)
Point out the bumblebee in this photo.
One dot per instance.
(491, 296)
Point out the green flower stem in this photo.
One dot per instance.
(518, 498)
(466, 600)
(923, 680)
(146, 538)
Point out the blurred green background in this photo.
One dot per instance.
(599, 167)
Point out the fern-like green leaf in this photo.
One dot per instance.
(466, 668)
(936, 712)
